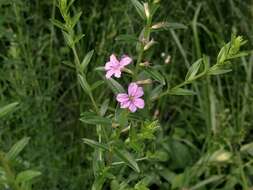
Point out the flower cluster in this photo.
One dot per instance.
(132, 99)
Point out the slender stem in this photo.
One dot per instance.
(243, 176)
(137, 160)
(77, 60)
(99, 127)
(138, 62)
(146, 34)
(180, 85)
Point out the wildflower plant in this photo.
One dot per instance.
(123, 131)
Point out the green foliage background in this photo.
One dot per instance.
(36, 72)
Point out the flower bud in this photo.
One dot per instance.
(167, 60)
(146, 9)
(149, 44)
(127, 71)
(115, 125)
(146, 81)
(145, 64)
(221, 156)
(159, 25)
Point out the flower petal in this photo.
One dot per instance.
(109, 74)
(132, 107)
(138, 102)
(125, 104)
(139, 92)
(122, 97)
(117, 73)
(114, 60)
(108, 66)
(132, 88)
(125, 60)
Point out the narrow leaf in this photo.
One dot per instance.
(93, 119)
(193, 70)
(96, 84)
(207, 181)
(84, 84)
(247, 148)
(95, 144)
(58, 24)
(219, 71)
(17, 148)
(127, 38)
(115, 86)
(167, 26)
(127, 158)
(75, 19)
(139, 8)
(104, 107)
(87, 59)
(156, 75)
(182, 92)
(27, 175)
(8, 108)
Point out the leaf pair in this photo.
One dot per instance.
(125, 156)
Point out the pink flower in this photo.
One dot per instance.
(132, 100)
(114, 67)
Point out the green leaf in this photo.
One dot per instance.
(84, 84)
(222, 56)
(115, 86)
(179, 152)
(75, 19)
(167, 175)
(87, 59)
(101, 179)
(17, 148)
(168, 26)
(155, 75)
(58, 24)
(68, 38)
(139, 8)
(193, 70)
(95, 144)
(104, 107)
(156, 91)
(97, 84)
(69, 5)
(218, 71)
(92, 118)
(127, 38)
(207, 181)
(8, 108)
(26, 176)
(121, 117)
(78, 38)
(247, 148)
(182, 92)
(241, 54)
(127, 158)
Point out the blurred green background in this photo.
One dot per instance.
(35, 71)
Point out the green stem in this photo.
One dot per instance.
(146, 34)
(99, 127)
(77, 60)
(138, 62)
(182, 84)
(137, 160)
